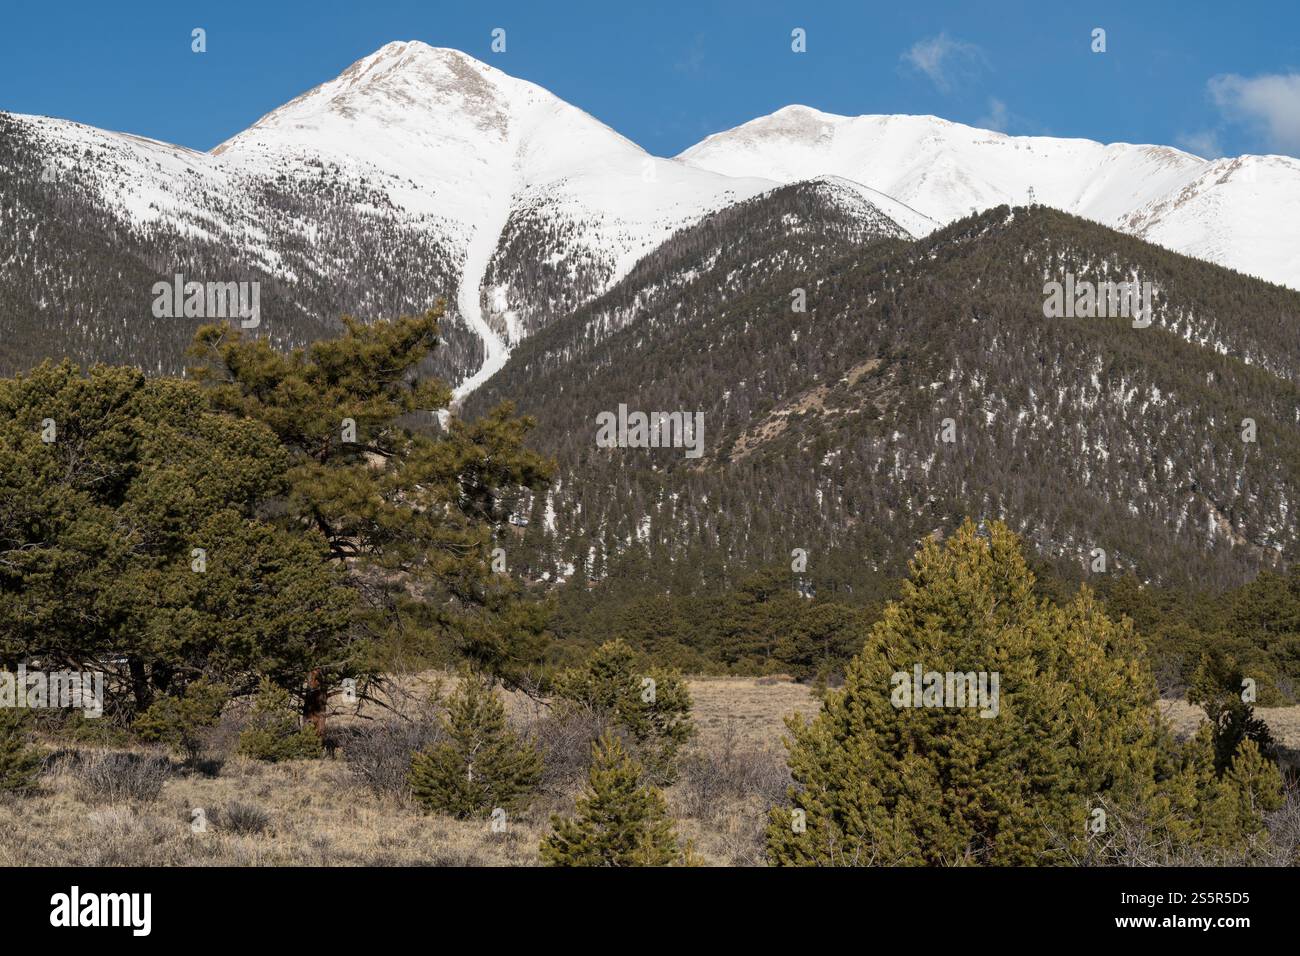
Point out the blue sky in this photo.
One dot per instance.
(1218, 78)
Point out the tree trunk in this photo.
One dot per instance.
(315, 703)
(140, 688)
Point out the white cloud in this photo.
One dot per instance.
(1204, 144)
(945, 60)
(998, 117)
(1269, 103)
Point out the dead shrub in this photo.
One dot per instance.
(245, 819)
(726, 771)
(379, 755)
(116, 776)
(565, 736)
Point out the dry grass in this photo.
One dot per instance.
(1284, 722)
(316, 815)
(319, 812)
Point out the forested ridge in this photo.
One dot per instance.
(824, 429)
(77, 275)
(829, 355)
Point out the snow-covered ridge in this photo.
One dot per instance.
(1243, 213)
(485, 164)
(432, 138)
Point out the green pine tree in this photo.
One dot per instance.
(620, 821)
(879, 783)
(180, 721)
(651, 704)
(1217, 686)
(275, 731)
(411, 514)
(20, 762)
(482, 765)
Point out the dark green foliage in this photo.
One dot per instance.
(482, 765)
(413, 515)
(1219, 688)
(1075, 729)
(222, 527)
(275, 731)
(20, 762)
(103, 524)
(181, 722)
(620, 820)
(1257, 626)
(652, 705)
(761, 625)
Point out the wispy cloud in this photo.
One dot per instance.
(1204, 143)
(998, 117)
(1268, 104)
(946, 60)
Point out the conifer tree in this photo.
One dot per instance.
(651, 704)
(879, 783)
(482, 765)
(1217, 687)
(180, 720)
(19, 761)
(882, 781)
(620, 821)
(1233, 804)
(410, 514)
(274, 730)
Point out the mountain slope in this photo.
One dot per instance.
(421, 174)
(457, 160)
(946, 171)
(825, 430)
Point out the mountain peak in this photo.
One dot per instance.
(402, 84)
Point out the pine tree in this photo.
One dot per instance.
(483, 764)
(651, 704)
(1250, 787)
(879, 783)
(409, 513)
(620, 821)
(1217, 687)
(19, 761)
(180, 721)
(275, 731)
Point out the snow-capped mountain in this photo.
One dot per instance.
(443, 145)
(1243, 213)
(422, 173)
(476, 153)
